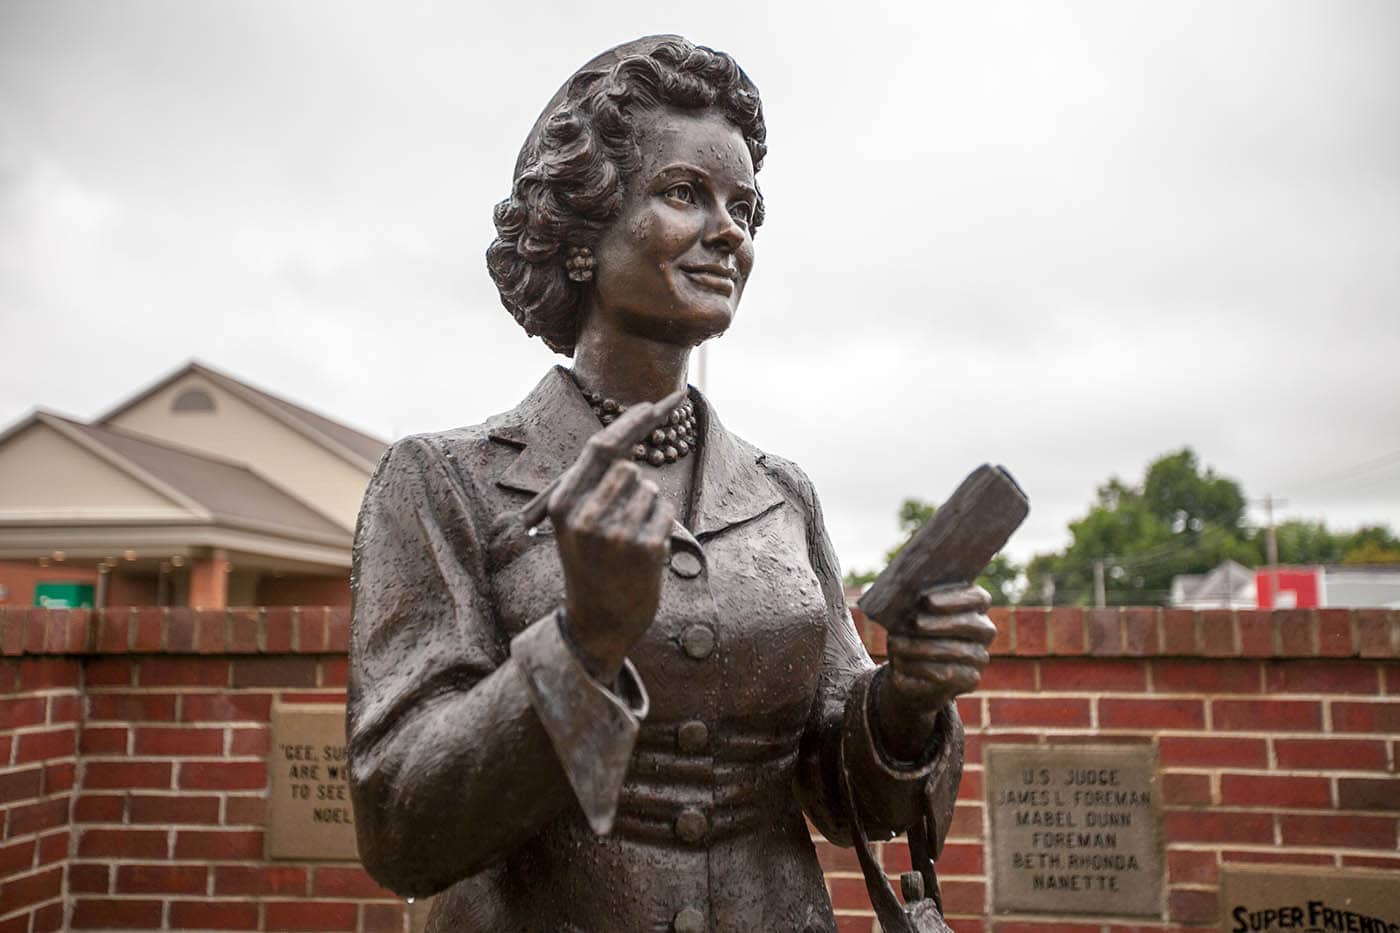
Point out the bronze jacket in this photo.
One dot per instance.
(487, 764)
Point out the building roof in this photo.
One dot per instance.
(222, 488)
(1222, 584)
(349, 443)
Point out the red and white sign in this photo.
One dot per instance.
(1289, 588)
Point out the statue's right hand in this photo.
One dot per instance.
(611, 526)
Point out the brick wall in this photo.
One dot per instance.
(134, 745)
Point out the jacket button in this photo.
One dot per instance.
(686, 564)
(691, 825)
(698, 641)
(693, 736)
(688, 920)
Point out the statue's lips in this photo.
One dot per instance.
(713, 278)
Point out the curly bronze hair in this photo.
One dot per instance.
(572, 170)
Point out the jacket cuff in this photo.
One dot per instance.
(892, 794)
(593, 729)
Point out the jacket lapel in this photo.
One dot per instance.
(554, 421)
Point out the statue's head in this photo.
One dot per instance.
(580, 177)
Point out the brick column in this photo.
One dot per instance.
(209, 582)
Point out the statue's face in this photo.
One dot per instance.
(672, 266)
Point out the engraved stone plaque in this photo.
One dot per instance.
(309, 813)
(1314, 900)
(1075, 829)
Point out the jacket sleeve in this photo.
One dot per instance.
(890, 794)
(461, 745)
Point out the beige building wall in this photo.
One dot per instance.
(42, 472)
(240, 431)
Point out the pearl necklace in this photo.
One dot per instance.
(674, 439)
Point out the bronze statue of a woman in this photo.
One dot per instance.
(619, 720)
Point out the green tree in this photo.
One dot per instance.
(1000, 579)
(1372, 544)
(1180, 519)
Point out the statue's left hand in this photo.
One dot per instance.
(934, 658)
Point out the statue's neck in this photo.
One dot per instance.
(627, 367)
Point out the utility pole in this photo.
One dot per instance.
(1271, 547)
(1100, 596)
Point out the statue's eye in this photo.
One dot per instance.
(684, 192)
(742, 213)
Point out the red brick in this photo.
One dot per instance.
(218, 844)
(249, 742)
(382, 918)
(94, 913)
(1275, 791)
(956, 859)
(848, 893)
(245, 811)
(1256, 629)
(19, 856)
(54, 846)
(1151, 714)
(244, 626)
(18, 712)
(1366, 717)
(100, 808)
(1182, 789)
(960, 897)
(1067, 631)
(1296, 632)
(1266, 715)
(213, 915)
(277, 628)
(274, 672)
(168, 810)
(36, 817)
(1140, 631)
(223, 775)
(179, 630)
(1218, 633)
(847, 923)
(109, 672)
(64, 708)
(1322, 677)
(1374, 635)
(1207, 676)
(51, 743)
(211, 631)
(27, 890)
(1334, 634)
(21, 785)
(832, 857)
(49, 918)
(60, 776)
(1179, 632)
(966, 822)
(114, 636)
(104, 740)
(131, 707)
(1009, 674)
(1104, 631)
(149, 634)
(259, 880)
(1192, 866)
(335, 672)
(346, 882)
(123, 843)
(1256, 857)
(184, 672)
(162, 879)
(1389, 863)
(1046, 711)
(1192, 906)
(226, 707)
(1330, 754)
(1347, 832)
(970, 711)
(311, 630)
(115, 775)
(323, 917)
(88, 879)
(1219, 826)
(331, 696)
(47, 674)
(1368, 793)
(338, 629)
(1032, 637)
(1093, 675)
(166, 740)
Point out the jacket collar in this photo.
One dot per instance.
(554, 421)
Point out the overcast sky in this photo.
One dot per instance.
(1064, 237)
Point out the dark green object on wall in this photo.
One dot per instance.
(64, 595)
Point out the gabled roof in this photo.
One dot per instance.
(357, 447)
(1223, 583)
(204, 484)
